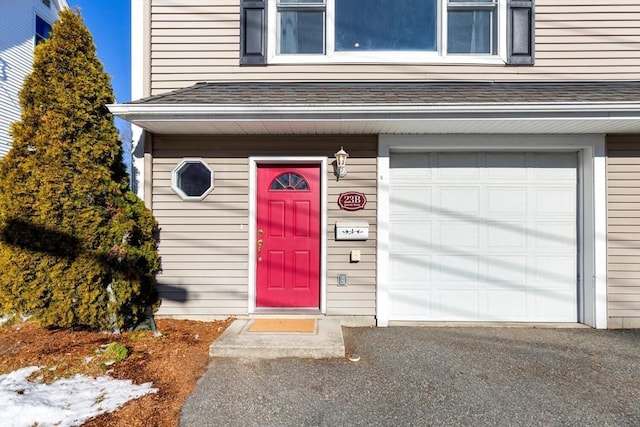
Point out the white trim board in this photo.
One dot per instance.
(137, 92)
(591, 191)
(253, 166)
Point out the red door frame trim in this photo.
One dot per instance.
(253, 164)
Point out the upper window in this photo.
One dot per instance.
(47, 3)
(43, 28)
(387, 31)
(419, 27)
(301, 26)
(471, 27)
(384, 25)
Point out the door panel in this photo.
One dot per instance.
(288, 236)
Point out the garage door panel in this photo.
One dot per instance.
(510, 271)
(505, 201)
(458, 200)
(457, 165)
(408, 235)
(556, 271)
(414, 166)
(501, 166)
(506, 235)
(411, 200)
(553, 166)
(554, 305)
(496, 240)
(457, 268)
(457, 304)
(459, 234)
(412, 269)
(411, 304)
(505, 305)
(555, 201)
(554, 236)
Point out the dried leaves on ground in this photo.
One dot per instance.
(173, 362)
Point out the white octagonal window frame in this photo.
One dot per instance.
(175, 179)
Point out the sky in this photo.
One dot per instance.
(110, 25)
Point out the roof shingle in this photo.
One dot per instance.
(386, 93)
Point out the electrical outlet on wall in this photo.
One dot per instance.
(342, 279)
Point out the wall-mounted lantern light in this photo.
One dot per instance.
(341, 163)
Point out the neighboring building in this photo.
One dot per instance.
(497, 144)
(23, 24)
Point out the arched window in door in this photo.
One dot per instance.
(289, 181)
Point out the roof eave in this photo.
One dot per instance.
(164, 117)
(260, 111)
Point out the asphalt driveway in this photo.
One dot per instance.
(434, 376)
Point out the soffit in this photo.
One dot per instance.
(394, 108)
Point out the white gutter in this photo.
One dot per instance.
(169, 111)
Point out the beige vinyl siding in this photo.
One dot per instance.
(358, 297)
(205, 244)
(623, 230)
(198, 40)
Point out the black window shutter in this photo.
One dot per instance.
(253, 32)
(521, 32)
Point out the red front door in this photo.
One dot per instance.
(288, 236)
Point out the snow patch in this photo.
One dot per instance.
(66, 402)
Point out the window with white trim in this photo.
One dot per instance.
(43, 29)
(418, 28)
(192, 179)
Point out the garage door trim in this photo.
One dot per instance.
(591, 194)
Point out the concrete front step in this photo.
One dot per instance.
(237, 341)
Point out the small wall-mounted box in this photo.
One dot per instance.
(342, 279)
(352, 230)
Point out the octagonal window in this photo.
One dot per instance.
(192, 179)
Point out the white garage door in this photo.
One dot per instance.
(483, 237)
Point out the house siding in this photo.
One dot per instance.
(205, 244)
(198, 40)
(623, 230)
(17, 31)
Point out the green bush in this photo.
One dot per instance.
(77, 248)
(113, 353)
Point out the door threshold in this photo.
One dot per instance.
(284, 312)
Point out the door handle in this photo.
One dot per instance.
(260, 244)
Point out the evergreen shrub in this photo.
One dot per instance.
(77, 248)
